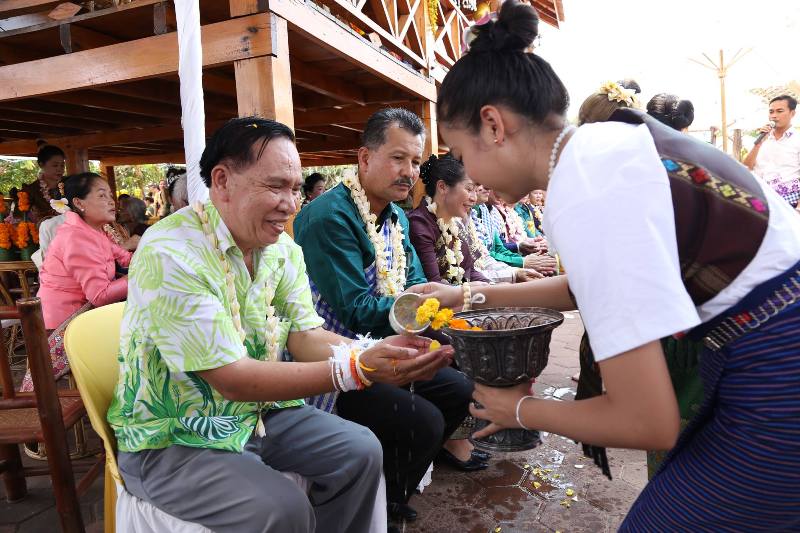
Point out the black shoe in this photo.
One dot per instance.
(401, 511)
(483, 456)
(474, 464)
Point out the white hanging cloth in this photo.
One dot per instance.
(193, 116)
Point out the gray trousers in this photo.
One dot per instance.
(243, 493)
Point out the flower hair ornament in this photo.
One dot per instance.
(618, 93)
(60, 206)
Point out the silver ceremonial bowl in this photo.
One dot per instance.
(512, 348)
(403, 315)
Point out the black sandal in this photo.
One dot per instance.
(473, 465)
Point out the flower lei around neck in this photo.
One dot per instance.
(271, 334)
(390, 281)
(479, 250)
(112, 232)
(514, 222)
(452, 245)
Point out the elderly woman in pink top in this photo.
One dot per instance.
(80, 269)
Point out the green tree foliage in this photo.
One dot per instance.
(134, 180)
(16, 173)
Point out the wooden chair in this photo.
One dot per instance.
(18, 279)
(42, 416)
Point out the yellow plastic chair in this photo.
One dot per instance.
(92, 344)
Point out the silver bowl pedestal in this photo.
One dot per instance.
(512, 348)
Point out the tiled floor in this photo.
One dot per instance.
(504, 496)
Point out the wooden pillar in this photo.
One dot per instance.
(77, 160)
(108, 170)
(737, 144)
(264, 84)
(427, 112)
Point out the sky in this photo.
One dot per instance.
(653, 41)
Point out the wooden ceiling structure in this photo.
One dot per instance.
(103, 84)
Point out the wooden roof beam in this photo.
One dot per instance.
(149, 159)
(113, 118)
(315, 80)
(321, 29)
(106, 138)
(350, 115)
(12, 7)
(223, 42)
(100, 100)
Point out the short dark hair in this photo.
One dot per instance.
(136, 209)
(123, 196)
(498, 70)
(48, 152)
(79, 185)
(311, 181)
(671, 110)
(790, 101)
(374, 135)
(446, 168)
(234, 143)
(148, 199)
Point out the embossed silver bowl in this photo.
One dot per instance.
(512, 348)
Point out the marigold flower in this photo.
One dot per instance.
(427, 311)
(442, 318)
(23, 201)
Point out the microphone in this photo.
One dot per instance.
(763, 134)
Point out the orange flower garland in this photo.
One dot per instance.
(23, 234)
(23, 201)
(2, 204)
(5, 235)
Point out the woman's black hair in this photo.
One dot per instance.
(631, 84)
(671, 110)
(79, 186)
(498, 70)
(234, 143)
(311, 181)
(48, 152)
(446, 168)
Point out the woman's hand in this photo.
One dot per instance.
(448, 295)
(399, 360)
(522, 275)
(498, 406)
(543, 264)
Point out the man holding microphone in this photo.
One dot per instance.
(775, 157)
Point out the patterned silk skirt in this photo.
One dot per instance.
(737, 466)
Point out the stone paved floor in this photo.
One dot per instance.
(502, 496)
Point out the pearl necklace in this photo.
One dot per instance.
(554, 152)
(271, 333)
(452, 245)
(390, 282)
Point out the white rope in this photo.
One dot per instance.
(190, 71)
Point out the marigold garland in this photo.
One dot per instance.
(5, 235)
(23, 201)
(433, 13)
(2, 204)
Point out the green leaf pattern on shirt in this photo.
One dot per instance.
(177, 322)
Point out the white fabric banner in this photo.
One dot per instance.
(190, 71)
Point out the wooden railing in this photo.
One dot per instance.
(404, 28)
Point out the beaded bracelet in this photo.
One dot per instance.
(467, 291)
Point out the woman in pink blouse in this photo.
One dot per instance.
(80, 269)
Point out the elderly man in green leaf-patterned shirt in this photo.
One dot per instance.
(205, 412)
